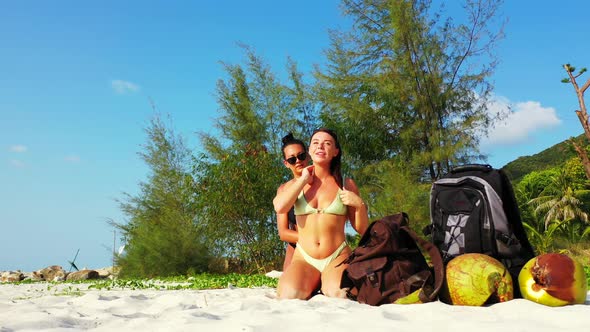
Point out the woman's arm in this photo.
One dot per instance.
(285, 233)
(357, 210)
(288, 192)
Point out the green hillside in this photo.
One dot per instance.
(553, 156)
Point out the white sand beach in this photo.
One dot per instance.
(67, 307)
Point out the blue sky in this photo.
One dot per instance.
(76, 79)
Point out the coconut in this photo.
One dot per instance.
(554, 280)
(476, 279)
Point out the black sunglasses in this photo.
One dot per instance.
(292, 160)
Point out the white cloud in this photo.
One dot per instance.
(18, 148)
(519, 124)
(122, 87)
(72, 159)
(17, 163)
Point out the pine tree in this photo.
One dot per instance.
(240, 169)
(161, 235)
(406, 83)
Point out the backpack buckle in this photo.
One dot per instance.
(372, 277)
(508, 240)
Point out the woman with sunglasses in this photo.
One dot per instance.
(322, 203)
(295, 159)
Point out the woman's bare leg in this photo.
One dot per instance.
(288, 256)
(299, 281)
(332, 276)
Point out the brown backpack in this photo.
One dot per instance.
(388, 266)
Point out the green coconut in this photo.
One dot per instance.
(553, 279)
(475, 280)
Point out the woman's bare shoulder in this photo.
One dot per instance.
(349, 184)
(285, 185)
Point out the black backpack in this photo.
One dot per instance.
(473, 210)
(388, 265)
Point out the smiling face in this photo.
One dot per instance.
(293, 151)
(323, 148)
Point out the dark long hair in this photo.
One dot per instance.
(336, 163)
(289, 139)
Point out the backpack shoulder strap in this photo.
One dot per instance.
(437, 264)
(513, 214)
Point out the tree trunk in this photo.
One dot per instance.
(582, 116)
(583, 157)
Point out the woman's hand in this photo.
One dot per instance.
(288, 192)
(350, 198)
(307, 174)
(359, 218)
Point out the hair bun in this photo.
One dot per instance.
(288, 138)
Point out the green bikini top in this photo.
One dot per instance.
(303, 208)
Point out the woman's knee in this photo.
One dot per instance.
(334, 292)
(331, 285)
(301, 287)
(286, 293)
